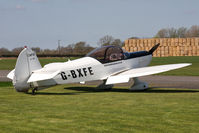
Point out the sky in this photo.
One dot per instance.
(41, 23)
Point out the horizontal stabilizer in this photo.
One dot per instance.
(144, 71)
(40, 76)
(11, 74)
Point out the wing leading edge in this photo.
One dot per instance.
(144, 71)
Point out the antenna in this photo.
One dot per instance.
(59, 47)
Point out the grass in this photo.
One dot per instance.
(5, 84)
(193, 70)
(9, 63)
(80, 108)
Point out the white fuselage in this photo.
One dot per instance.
(88, 69)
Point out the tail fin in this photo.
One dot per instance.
(154, 48)
(27, 62)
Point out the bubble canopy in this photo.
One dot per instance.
(106, 54)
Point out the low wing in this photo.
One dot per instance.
(144, 71)
(39, 76)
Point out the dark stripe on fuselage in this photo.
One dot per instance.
(130, 55)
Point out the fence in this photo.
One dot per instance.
(168, 46)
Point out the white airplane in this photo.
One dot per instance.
(108, 63)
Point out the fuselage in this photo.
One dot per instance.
(100, 64)
(89, 69)
(108, 63)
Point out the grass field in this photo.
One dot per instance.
(8, 64)
(192, 70)
(69, 108)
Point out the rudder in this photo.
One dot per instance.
(27, 62)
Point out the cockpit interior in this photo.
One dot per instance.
(106, 54)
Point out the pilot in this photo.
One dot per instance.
(113, 57)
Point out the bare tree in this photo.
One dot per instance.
(193, 31)
(163, 33)
(17, 50)
(36, 49)
(117, 42)
(49, 52)
(82, 48)
(4, 51)
(172, 32)
(106, 40)
(109, 40)
(67, 50)
(181, 32)
(88, 48)
(79, 47)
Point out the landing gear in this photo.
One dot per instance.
(139, 85)
(104, 86)
(34, 91)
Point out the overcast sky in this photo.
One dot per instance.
(43, 22)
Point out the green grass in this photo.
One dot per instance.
(5, 84)
(193, 70)
(69, 108)
(9, 63)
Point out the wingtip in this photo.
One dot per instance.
(188, 64)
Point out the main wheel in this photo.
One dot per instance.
(33, 91)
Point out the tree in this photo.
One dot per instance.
(193, 31)
(117, 42)
(109, 40)
(163, 33)
(172, 32)
(88, 48)
(182, 32)
(79, 47)
(4, 51)
(36, 49)
(106, 40)
(67, 50)
(17, 50)
(134, 37)
(49, 52)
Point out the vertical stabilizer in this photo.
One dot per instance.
(27, 62)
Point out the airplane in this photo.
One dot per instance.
(111, 64)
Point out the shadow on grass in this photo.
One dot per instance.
(52, 93)
(150, 90)
(79, 90)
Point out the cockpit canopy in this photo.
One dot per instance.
(107, 54)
